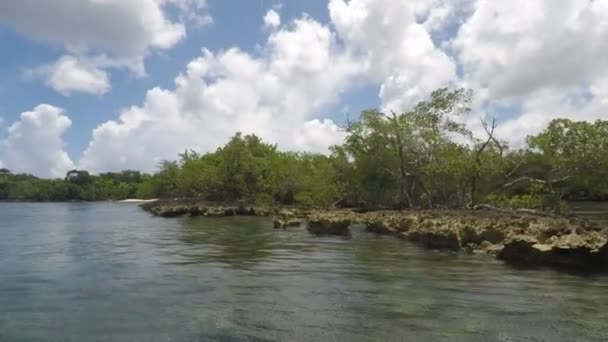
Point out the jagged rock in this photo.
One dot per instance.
(489, 248)
(492, 236)
(380, 227)
(436, 239)
(217, 212)
(523, 250)
(570, 241)
(405, 224)
(171, 211)
(519, 238)
(570, 251)
(282, 223)
(471, 235)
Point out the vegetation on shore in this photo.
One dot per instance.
(424, 158)
(76, 186)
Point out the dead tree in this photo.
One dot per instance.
(491, 139)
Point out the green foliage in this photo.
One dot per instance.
(248, 169)
(578, 150)
(413, 152)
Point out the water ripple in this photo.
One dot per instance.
(110, 272)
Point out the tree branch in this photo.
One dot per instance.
(536, 180)
(491, 137)
(514, 170)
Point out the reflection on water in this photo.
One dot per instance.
(244, 243)
(110, 272)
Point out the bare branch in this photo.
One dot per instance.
(536, 181)
(514, 170)
(389, 172)
(491, 137)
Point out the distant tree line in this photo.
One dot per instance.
(423, 158)
(76, 186)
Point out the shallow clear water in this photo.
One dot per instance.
(111, 272)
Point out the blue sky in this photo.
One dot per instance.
(108, 85)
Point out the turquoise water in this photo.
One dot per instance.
(111, 272)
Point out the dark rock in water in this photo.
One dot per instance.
(437, 239)
(380, 227)
(327, 226)
(470, 234)
(524, 250)
(172, 212)
(492, 236)
(570, 251)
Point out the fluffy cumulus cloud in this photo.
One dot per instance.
(397, 46)
(548, 56)
(272, 20)
(517, 47)
(70, 74)
(125, 30)
(34, 143)
(300, 69)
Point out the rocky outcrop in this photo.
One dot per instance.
(284, 223)
(519, 238)
(331, 223)
(194, 207)
(572, 251)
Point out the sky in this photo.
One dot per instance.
(107, 85)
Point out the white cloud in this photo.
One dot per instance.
(70, 74)
(125, 28)
(398, 49)
(300, 69)
(34, 143)
(194, 11)
(123, 32)
(517, 47)
(272, 19)
(546, 105)
(540, 54)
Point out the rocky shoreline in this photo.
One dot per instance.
(518, 238)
